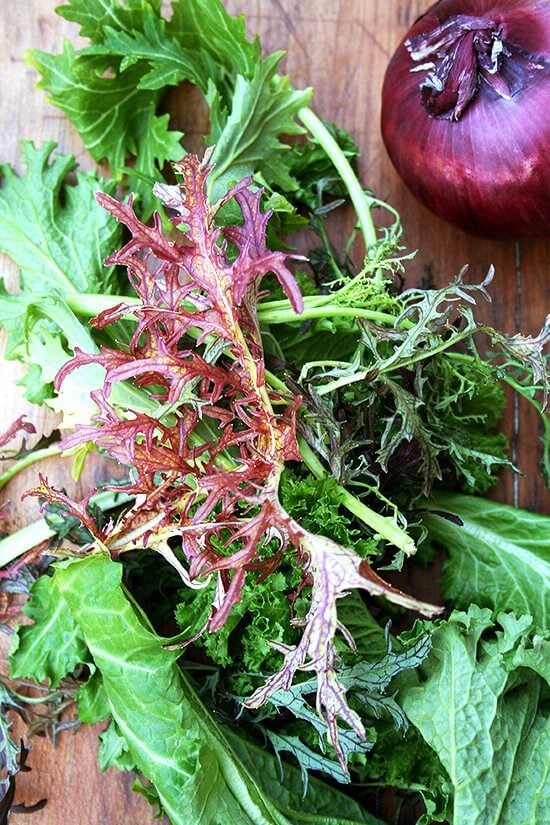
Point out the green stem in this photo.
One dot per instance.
(34, 534)
(385, 527)
(24, 539)
(349, 178)
(361, 376)
(89, 305)
(31, 458)
(284, 316)
(270, 312)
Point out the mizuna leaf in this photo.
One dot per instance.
(499, 556)
(59, 238)
(111, 90)
(112, 115)
(246, 139)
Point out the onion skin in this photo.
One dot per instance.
(489, 171)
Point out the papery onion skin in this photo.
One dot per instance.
(489, 171)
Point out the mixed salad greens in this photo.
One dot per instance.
(281, 431)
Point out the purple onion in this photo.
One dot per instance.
(466, 114)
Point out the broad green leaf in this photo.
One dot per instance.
(162, 730)
(486, 718)
(169, 63)
(112, 115)
(498, 558)
(111, 90)
(53, 230)
(321, 805)
(205, 26)
(168, 733)
(93, 705)
(113, 751)
(53, 645)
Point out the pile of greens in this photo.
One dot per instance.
(282, 431)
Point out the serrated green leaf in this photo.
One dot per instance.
(113, 116)
(498, 558)
(54, 231)
(168, 61)
(94, 16)
(321, 805)
(205, 26)
(53, 645)
(111, 90)
(246, 139)
(485, 718)
(113, 751)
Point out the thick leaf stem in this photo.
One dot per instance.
(23, 540)
(356, 192)
(34, 534)
(27, 461)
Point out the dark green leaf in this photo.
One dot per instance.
(486, 718)
(498, 558)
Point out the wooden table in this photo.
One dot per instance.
(341, 48)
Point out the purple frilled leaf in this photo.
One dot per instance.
(333, 570)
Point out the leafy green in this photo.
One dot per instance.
(499, 557)
(112, 115)
(53, 229)
(321, 805)
(314, 170)
(59, 237)
(408, 763)
(175, 744)
(246, 140)
(53, 645)
(316, 504)
(112, 90)
(484, 710)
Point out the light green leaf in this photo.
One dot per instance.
(93, 705)
(112, 115)
(167, 731)
(164, 731)
(112, 89)
(205, 26)
(53, 645)
(113, 751)
(485, 718)
(246, 139)
(55, 232)
(94, 16)
(169, 62)
(498, 558)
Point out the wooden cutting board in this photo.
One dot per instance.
(341, 48)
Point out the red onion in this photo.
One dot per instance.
(466, 114)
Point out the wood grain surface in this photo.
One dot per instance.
(341, 48)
